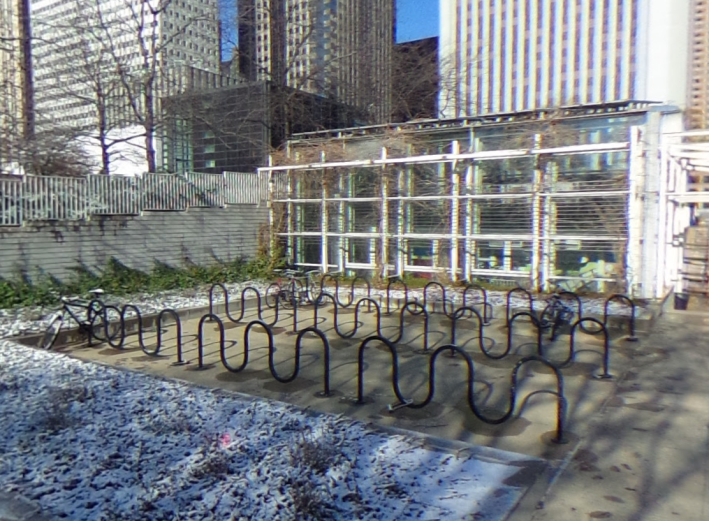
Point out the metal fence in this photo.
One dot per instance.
(41, 198)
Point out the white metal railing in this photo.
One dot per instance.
(54, 198)
(205, 190)
(10, 202)
(114, 195)
(41, 198)
(162, 192)
(245, 188)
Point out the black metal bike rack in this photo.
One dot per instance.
(460, 313)
(487, 317)
(420, 311)
(403, 402)
(249, 289)
(631, 319)
(396, 280)
(444, 298)
(510, 323)
(271, 350)
(509, 300)
(121, 336)
(351, 300)
(325, 295)
(606, 346)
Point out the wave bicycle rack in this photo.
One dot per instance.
(369, 301)
(242, 312)
(631, 318)
(271, 350)
(444, 298)
(487, 307)
(351, 300)
(572, 341)
(403, 402)
(118, 341)
(526, 293)
(392, 281)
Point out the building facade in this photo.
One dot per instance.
(106, 55)
(698, 110)
(501, 56)
(340, 49)
(586, 199)
(235, 128)
(15, 97)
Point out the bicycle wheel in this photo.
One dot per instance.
(286, 298)
(313, 291)
(52, 332)
(105, 324)
(272, 294)
(548, 316)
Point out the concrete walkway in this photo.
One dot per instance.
(645, 455)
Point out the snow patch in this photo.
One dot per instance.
(87, 441)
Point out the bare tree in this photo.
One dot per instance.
(416, 77)
(126, 57)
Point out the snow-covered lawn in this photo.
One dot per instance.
(89, 442)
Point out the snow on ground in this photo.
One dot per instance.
(89, 442)
(14, 322)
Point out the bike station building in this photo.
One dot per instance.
(590, 198)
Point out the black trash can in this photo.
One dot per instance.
(681, 301)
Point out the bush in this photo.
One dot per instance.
(119, 279)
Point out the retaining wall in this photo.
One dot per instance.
(199, 235)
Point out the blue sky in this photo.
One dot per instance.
(416, 19)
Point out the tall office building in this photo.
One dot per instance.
(10, 62)
(698, 110)
(15, 75)
(515, 55)
(336, 48)
(106, 48)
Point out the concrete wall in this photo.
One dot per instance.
(199, 235)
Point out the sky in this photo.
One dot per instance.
(416, 19)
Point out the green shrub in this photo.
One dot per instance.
(118, 279)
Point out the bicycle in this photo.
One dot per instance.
(94, 323)
(555, 315)
(302, 288)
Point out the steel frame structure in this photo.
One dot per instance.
(456, 243)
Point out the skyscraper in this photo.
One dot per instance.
(103, 66)
(16, 103)
(698, 110)
(108, 47)
(10, 59)
(336, 48)
(516, 55)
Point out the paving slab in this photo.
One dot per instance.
(645, 455)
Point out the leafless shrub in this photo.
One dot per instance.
(57, 415)
(317, 455)
(214, 465)
(310, 502)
